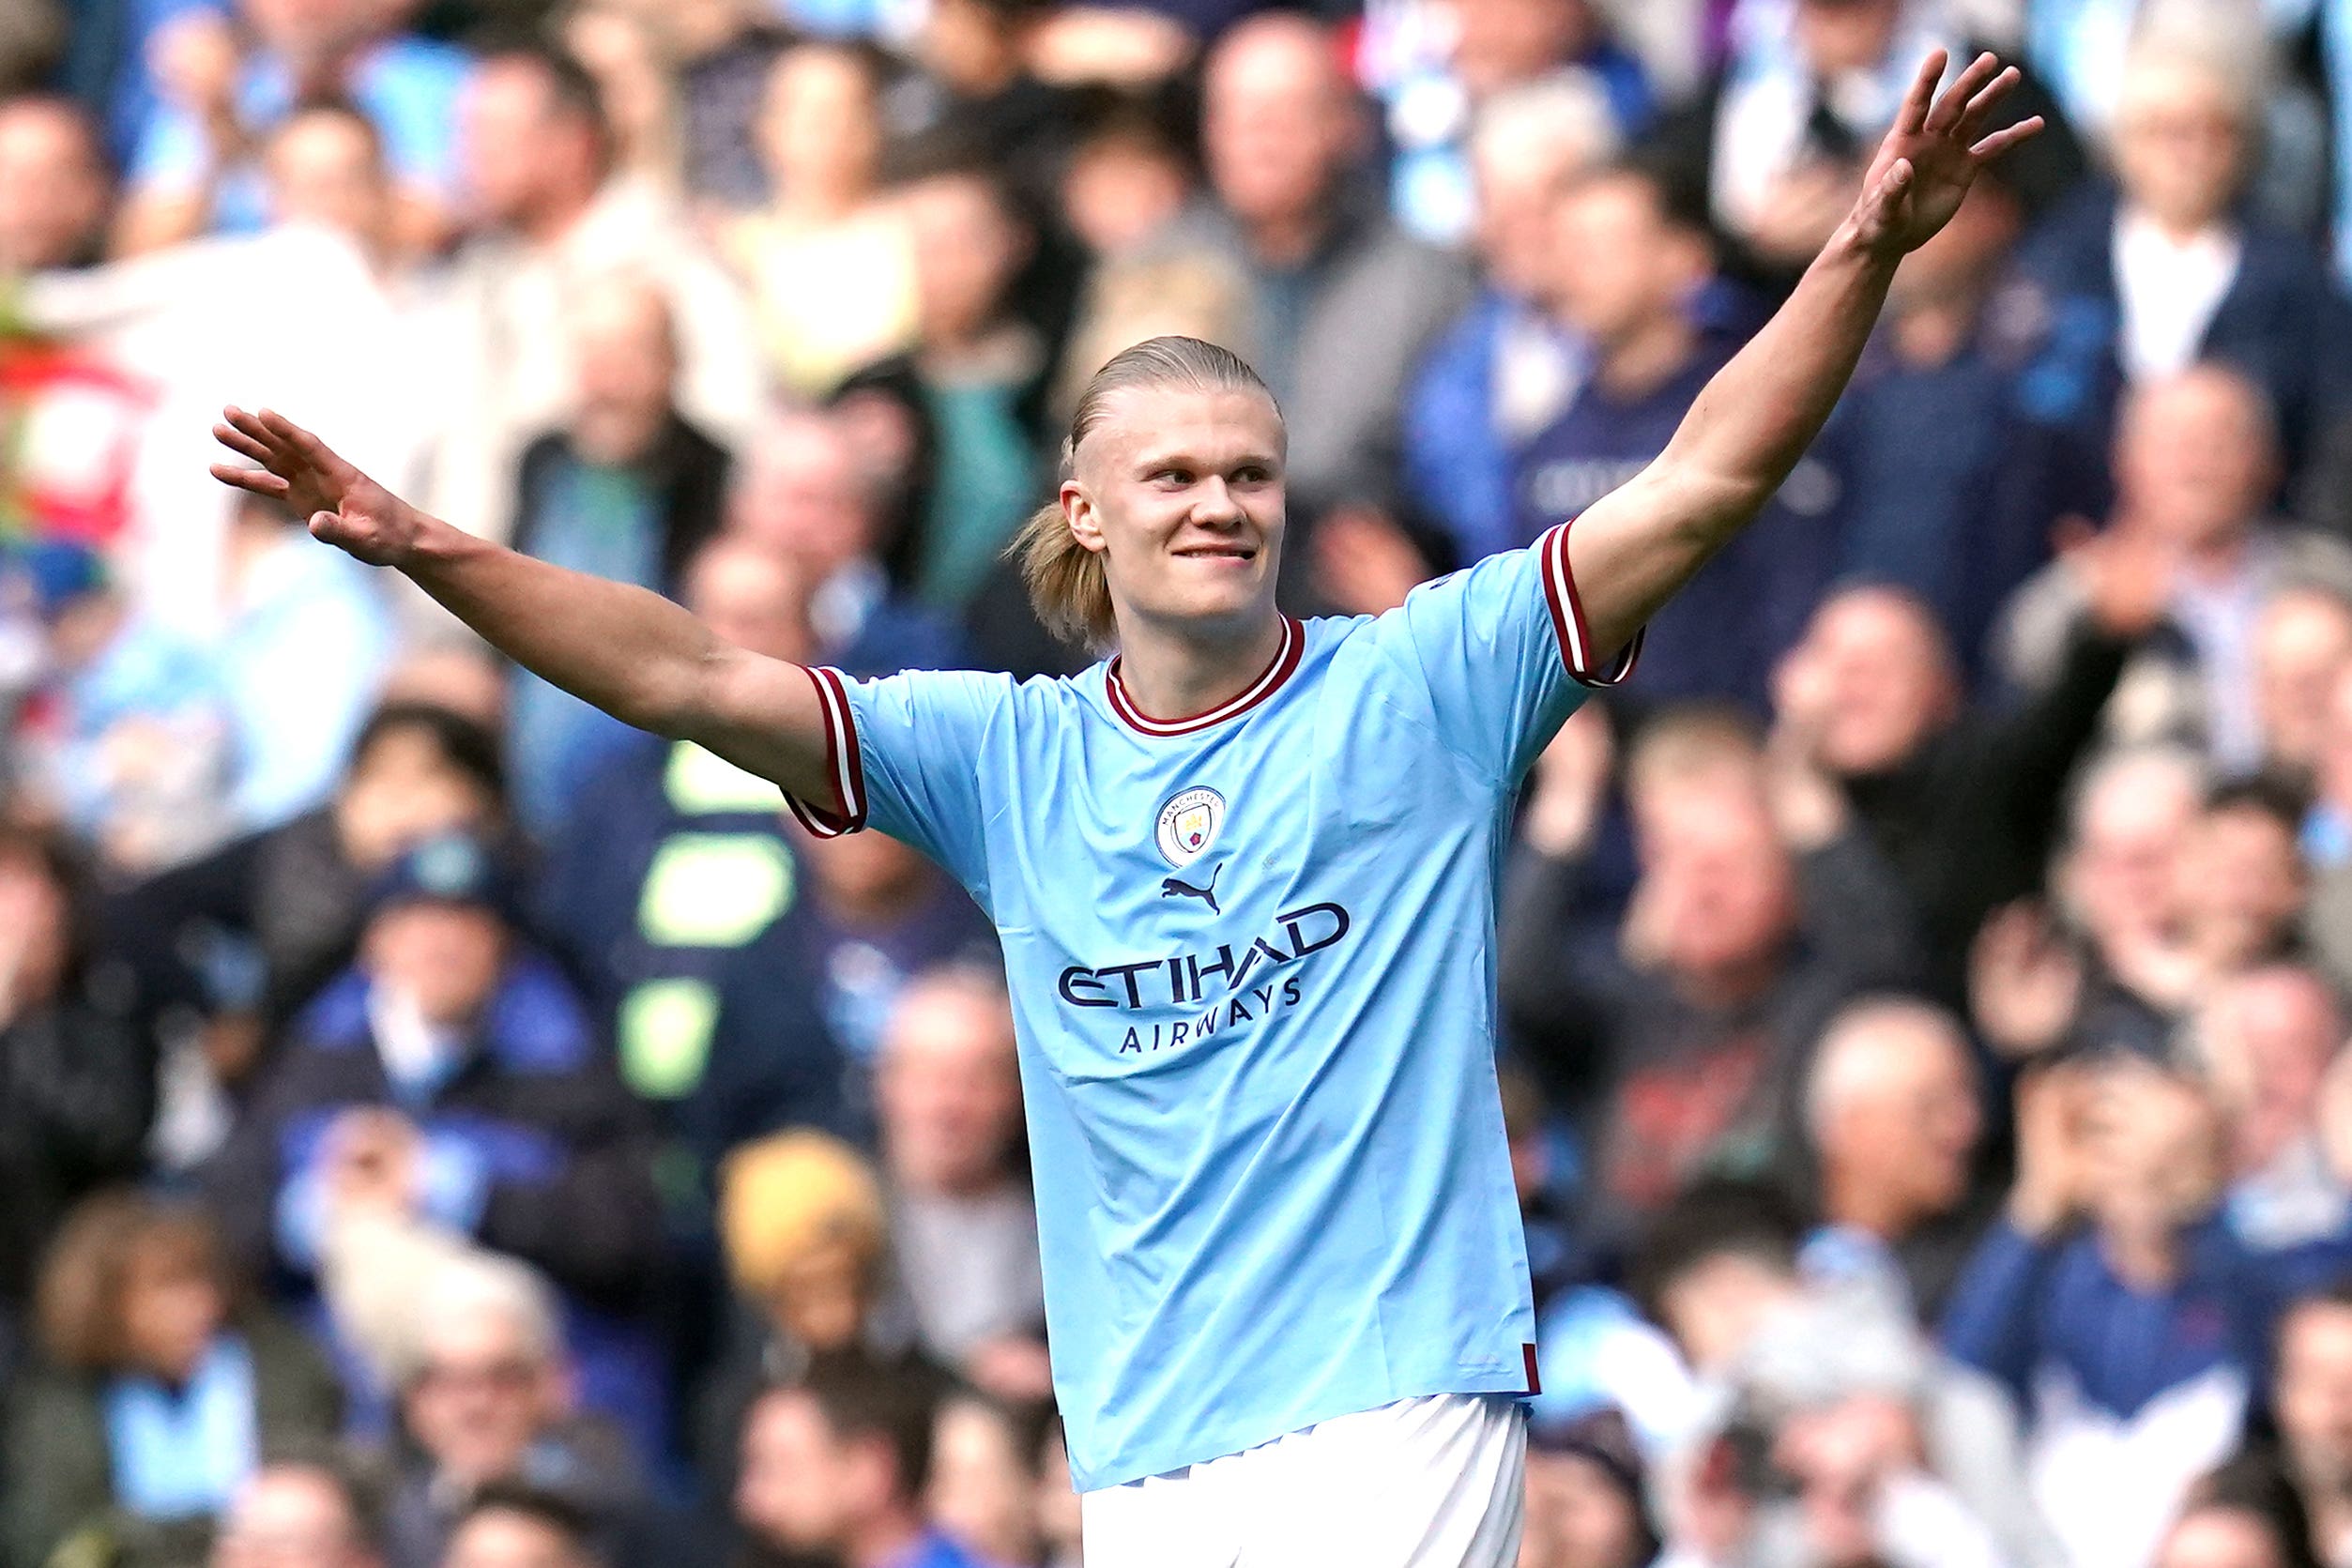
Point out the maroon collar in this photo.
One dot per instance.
(1270, 679)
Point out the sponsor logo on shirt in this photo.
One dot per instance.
(1239, 983)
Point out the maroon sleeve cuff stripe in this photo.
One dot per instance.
(842, 764)
(1568, 617)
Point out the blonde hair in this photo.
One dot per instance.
(1067, 587)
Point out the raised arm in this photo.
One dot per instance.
(1635, 546)
(633, 653)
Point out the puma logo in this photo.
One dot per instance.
(1176, 886)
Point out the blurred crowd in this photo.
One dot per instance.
(441, 1126)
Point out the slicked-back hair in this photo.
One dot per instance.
(1066, 582)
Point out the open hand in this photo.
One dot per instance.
(345, 507)
(1930, 159)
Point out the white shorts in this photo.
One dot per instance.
(1438, 1482)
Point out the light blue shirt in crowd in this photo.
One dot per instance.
(1252, 965)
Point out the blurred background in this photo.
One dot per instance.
(440, 1125)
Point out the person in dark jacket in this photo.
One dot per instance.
(454, 1078)
(629, 491)
(1964, 804)
(157, 1395)
(77, 1070)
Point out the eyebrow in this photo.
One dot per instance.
(1149, 459)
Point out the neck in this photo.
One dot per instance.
(548, 222)
(2146, 1258)
(1932, 334)
(1172, 674)
(1729, 986)
(1288, 240)
(1647, 357)
(2218, 556)
(883, 1541)
(2183, 228)
(1849, 1200)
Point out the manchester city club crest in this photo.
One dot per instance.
(1188, 823)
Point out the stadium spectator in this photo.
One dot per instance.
(829, 267)
(2119, 1419)
(192, 172)
(1632, 255)
(984, 1480)
(158, 1394)
(246, 935)
(627, 489)
(1506, 367)
(485, 1403)
(1681, 1055)
(302, 1511)
(324, 164)
(675, 859)
(2311, 1398)
(1893, 1122)
(838, 1464)
(981, 372)
(1344, 303)
(548, 217)
(452, 1079)
(721, 52)
(2302, 648)
(963, 1224)
(2268, 1037)
(77, 1068)
(1586, 1502)
(2195, 462)
(622, 46)
(520, 1527)
(2163, 270)
(2245, 1514)
(976, 63)
(1871, 694)
(802, 492)
(55, 188)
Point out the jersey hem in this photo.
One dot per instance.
(1568, 617)
(844, 766)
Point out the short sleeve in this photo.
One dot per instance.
(904, 753)
(1504, 653)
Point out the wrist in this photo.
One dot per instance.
(1848, 251)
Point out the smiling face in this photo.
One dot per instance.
(1179, 491)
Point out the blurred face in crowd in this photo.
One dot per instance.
(2242, 885)
(2222, 1538)
(35, 917)
(1895, 1110)
(1120, 189)
(2311, 1392)
(802, 494)
(982, 1491)
(1504, 41)
(326, 167)
(967, 249)
(483, 1396)
(2180, 142)
(291, 1517)
(1621, 267)
(309, 30)
(172, 1308)
(2130, 824)
(820, 130)
(2302, 648)
(948, 1088)
(1714, 1306)
(1885, 678)
(618, 48)
(1719, 886)
(2151, 1149)
(1840, 36)
(754, 599)
(509, 1538)
(2268, 1037)
(2195, 458)
(446, 958)
(802, 1487)
(625, 355)
(53, 186)
(1521, 184)
(401, 791)
(529, 161)
(1277, 122)
(1181, 492)
(1577, 1516)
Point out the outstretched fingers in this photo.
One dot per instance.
(2007, 137)
(1912, 117)
(260, 481)
(1954, 103)
(1979, 108)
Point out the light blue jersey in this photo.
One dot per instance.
(1251, 959)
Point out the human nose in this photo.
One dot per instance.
(1215, 505)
